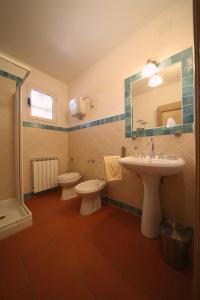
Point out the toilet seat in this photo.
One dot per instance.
(90, 186)
(67, 181)
(69, 177)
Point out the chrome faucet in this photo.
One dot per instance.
(152, 153)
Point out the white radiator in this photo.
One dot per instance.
(45, 173)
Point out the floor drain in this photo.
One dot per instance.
(2, 217)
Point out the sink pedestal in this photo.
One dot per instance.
(151, 171)
(151, 212)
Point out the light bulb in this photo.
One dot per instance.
(150, 69)
(156, 80)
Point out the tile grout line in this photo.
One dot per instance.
(77, 275)
(34, 294)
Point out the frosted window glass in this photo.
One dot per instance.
(41, 105)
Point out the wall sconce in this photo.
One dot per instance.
(150, 69)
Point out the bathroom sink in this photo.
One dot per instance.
(151, 171)
(155, 166)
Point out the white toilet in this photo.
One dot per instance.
(90, 194)
(67, 181)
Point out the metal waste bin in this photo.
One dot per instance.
(176, 239)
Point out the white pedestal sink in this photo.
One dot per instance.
(151, 171)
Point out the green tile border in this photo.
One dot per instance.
(43, 126)
(186, 59)
(98, 122)
(29, 195)
(8, 75)
(131, 209)
(32, 194)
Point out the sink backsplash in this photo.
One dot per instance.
(96, 141)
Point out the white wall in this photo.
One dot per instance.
(42, 142)
(51, 85)
(169, 33)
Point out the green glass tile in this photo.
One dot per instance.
(188, 119)
(128, 134)
(128, 114)
(128, 97)
(133, 78)
(8, 75)
(139, 212)
(122, 116)
(188, 80)
(128, 121)
(127, 85)
(188, 109)
(28, 195)
(188, 61)
(187, 71)
(177, 129)
(128, 127)
(120, 204)
(157, 131)
(133, 210)
(127, 106)
(139, 75)
(165, 63)
(188, 128)
(134, 133)
(141, 133)
(166, 130)
(188, 90)
(186, 53)
(127, 94)
(149, 132)
(176, 58)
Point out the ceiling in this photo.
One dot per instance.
(65, 37)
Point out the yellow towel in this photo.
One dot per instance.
(112, 168)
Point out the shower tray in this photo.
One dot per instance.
(13, 217)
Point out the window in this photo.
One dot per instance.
(41, 105)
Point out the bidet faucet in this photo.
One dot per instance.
(152, 153)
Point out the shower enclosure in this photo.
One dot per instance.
(14, 215)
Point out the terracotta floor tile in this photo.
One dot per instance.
(13, 277)
(107, 283)
(26, 293)
(51, 278)
(98, 257)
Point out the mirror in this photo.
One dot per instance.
(158, 106)
(165, 109)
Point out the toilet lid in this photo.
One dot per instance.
(71, 175)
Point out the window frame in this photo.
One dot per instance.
(48, 93)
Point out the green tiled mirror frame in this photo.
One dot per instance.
(186, 59)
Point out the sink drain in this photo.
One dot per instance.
(2, 217)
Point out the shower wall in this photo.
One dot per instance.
(7, 175)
